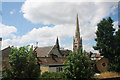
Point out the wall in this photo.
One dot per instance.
(52, 69)
(44, 69)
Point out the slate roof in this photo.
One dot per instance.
(6, 52)
(55, 51)
(65, 52)
(43, 51)
(48, 51)
(51, 61)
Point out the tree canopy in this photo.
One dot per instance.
(78, 66)
(105, 37)
(108, 43)
(23, 63)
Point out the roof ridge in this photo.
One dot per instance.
(51, 49)
(45, 47)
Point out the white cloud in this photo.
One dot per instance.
(7, 31)
(63, 16)
(89, 47)
(67, 46)
(12, 11)
(45, 36)
(115, 25)
(73, 0)
(90, 13)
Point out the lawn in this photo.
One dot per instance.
(107, 75)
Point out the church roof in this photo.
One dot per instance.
(43, 51)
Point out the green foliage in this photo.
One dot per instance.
(108, 43)
(105, 38)
(23, 64)
(52, 75)
(78, 66)
(114, 63)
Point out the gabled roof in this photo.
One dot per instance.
(48, 51)
(65, 52)
(51, 61)
(43, 51)
(6, 48)
(6, 51)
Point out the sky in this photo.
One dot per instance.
(29, 21)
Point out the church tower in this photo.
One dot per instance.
(77, 41)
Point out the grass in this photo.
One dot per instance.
(107, 75)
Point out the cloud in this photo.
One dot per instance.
(89, 47)
(12, 11)
(73, 1)
(63, 16)
(7, 31)
(61, 13)
(115, 25)
(67, 46)
(46, 35)
(64, 13)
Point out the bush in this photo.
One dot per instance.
(52, 75)
(78, 66)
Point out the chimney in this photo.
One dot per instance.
(36, 44)
(0, 43)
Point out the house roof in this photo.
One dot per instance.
(47, 51)
(56, 51)
(51, 61)
(97, 55)
(6, 52)
(65, 52)
(43, 51)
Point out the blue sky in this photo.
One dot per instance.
(16, 18)
(34, 22)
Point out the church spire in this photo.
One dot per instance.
(77, 34)
(57, 43)
(77, 42)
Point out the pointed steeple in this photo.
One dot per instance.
(77, 34)
(57, 43)
(77, 44)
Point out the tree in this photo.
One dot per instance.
(114, 65)
(23, 64)
(78, 66)
(105, 37)
(108, 43)
(117, 42)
